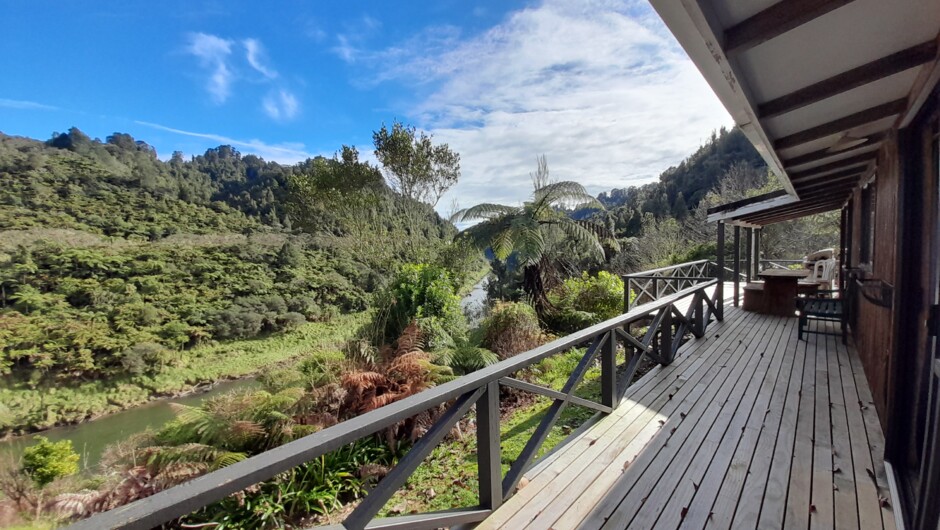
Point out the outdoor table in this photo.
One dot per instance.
(780, 290)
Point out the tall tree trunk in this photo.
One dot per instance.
(533, 285)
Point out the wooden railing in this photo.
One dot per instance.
(766, 264)
(647, 286)
(668, 327)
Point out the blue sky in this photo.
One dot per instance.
(598, 86)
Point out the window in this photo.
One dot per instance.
(867, 243)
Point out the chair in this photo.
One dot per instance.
(824, 309)
(823, 273)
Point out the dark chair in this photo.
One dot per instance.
(825, 307)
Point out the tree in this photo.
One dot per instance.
(527, 232)
(414, 166)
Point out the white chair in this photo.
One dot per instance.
(824, 271)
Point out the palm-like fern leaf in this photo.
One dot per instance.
(579, 233)
(483, 211)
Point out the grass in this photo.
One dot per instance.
(448, 477)
(34, 408)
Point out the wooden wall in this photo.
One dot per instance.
(873, 327)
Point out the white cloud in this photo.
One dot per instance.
(350, 44)
(285, 153)
(24, 105)
(213, 53)
(254, 53)
(280, 105)
(598, 86)
(344, 49)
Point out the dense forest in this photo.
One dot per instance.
(114, 263)
(124, 277)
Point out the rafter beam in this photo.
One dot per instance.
(853, 171)
(814, 205)
(854, 78)
(885, 110)
(857, 160)
(797, 215)
(775, 21)
(826, 183)
(842, 189)
(822, 154)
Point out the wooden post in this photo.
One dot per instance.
(609, 371)
(756, 260)
(748, 232)
(626, 293)
(720, 288)
(488, 449)
(665, 341)
(843, 245)
(737, 265)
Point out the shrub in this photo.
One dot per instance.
(511, 328)
(426, 293)
(568, 320)
(47, 461)
(586, 300)
(146, 357)
(290, 320)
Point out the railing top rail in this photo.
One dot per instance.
(191, 496)
(666, 269)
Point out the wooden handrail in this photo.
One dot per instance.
(661, 343)
(653, 284)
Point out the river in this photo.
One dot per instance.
(91, 438)
(474, 304)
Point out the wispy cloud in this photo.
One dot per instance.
(344, 49)
(286, 153)
(280, 105)
(224, 69)
(24, 105)
(254, 53)
(213, 53)
(350, 44)
(598, 86)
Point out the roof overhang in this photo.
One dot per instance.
(816, 85)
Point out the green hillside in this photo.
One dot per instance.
(115, 265)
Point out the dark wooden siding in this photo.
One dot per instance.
(874, 326)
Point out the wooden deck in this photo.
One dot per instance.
(748, 428)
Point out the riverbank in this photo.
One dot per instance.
(25, 409)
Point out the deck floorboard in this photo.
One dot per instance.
(748, 428)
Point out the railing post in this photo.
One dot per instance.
(609, 371)
(720, 288)
(665, 336)
(757, 233)
(747, 254)
(737, 264)
(627, 283)
(488, 452)
(698, 314)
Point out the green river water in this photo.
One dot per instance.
(90, 438)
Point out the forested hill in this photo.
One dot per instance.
(114, 263)
(120, 188)
(679, 188)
